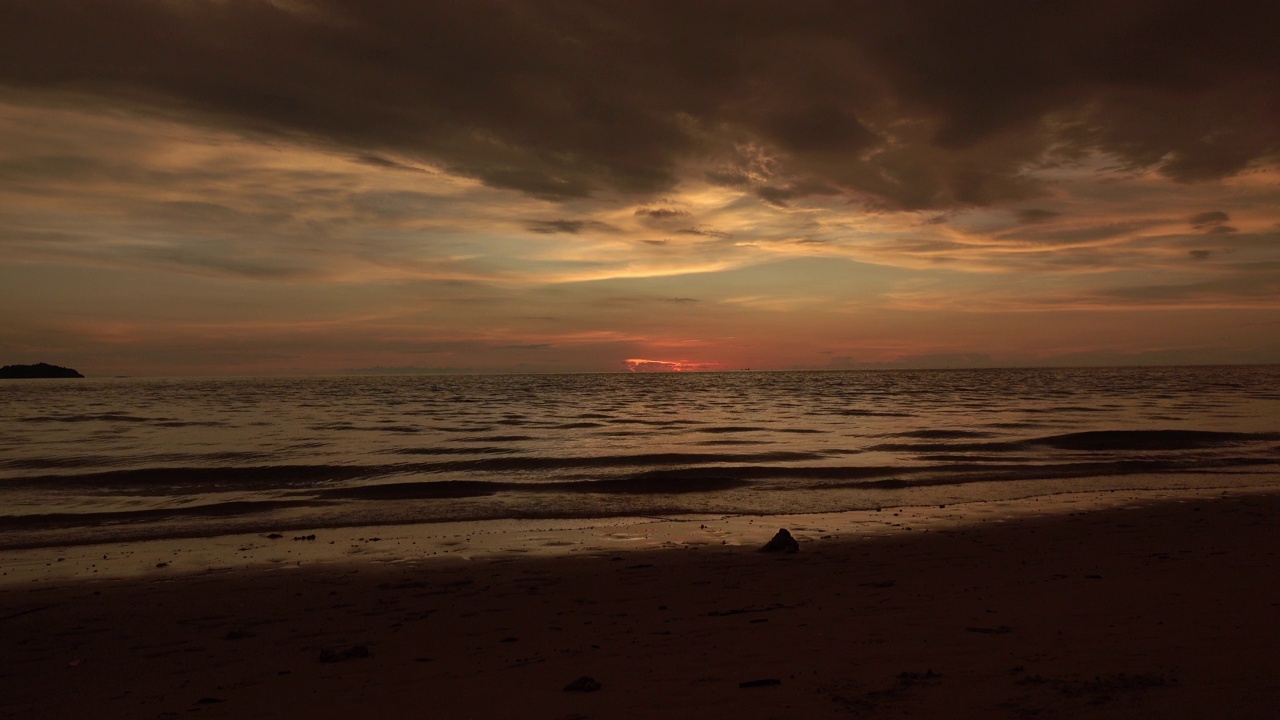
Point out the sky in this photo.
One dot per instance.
(264, 187)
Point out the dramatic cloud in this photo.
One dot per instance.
(312, 185)
(572, 227)
(643, 365)
(1213, 222)
(913, 105)
(662, 213)
(1208, 219)
(1031, 216)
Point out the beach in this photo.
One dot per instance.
(1114, 604)
(607, 360)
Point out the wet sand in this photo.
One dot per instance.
(1111, 606)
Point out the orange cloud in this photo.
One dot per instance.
(644, 365)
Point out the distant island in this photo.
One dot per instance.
(39, 370)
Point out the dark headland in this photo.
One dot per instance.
(39, 370)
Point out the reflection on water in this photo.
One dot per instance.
(125, 458)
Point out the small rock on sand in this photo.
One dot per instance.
(782, 542)
(583, 684)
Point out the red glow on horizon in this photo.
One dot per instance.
(645, 365)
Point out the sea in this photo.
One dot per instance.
(107, 460)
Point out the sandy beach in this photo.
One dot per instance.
(1094, 605)
(589, 360)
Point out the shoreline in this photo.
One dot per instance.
(1142, 606)
(285, 548)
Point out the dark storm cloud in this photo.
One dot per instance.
(906, 105)
(1076, 235)
(705, 232)
(933, 360)
(1245, 283)
(779, 195)
(1257, 245)
(567, 227)
(1031, 216)
(662, 213)
(824, 128)
(384, 162)
(1212, 222)
(1209, 219)
(664, 218)
(926, 247)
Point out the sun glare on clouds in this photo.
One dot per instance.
(644, 365)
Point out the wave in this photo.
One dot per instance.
(636, 485)
(653, 423)
(180, 480)
(104, 417)
(440, 489)
(954, 473)
(49, 463)
(350, 427)
(86, 461)
(608, 461)
(1089, 441)
(941, 434)
(717, 479)
(119, 418)
(934, 447)
(482, 450)
(49, 521)
(947, 450)
(571, 446)
(1101, 440)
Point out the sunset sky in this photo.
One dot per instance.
(230, 187)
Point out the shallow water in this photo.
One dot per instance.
(89, 460)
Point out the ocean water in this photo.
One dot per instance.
(117, 459)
